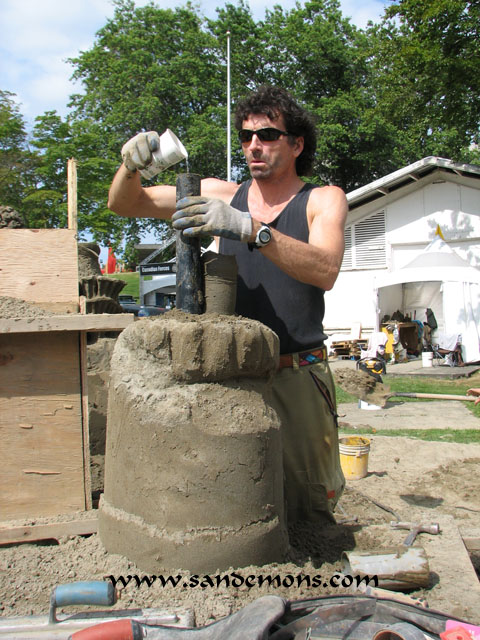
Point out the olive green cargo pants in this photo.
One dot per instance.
(304, 398)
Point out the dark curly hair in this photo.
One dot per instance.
(274, 102)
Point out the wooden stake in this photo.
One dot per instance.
(72, 194)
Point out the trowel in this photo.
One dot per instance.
(93, 593)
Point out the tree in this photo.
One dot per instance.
(426, 62)
(17, 162)
(319, 54)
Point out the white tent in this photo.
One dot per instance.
(437, 279)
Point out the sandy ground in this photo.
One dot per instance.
(418, 481)
(424, 481)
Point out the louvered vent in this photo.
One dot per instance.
(365, 243)
(347, 256)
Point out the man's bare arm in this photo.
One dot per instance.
(317, 262)
(128, 198)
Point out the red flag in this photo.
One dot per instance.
(111, 261)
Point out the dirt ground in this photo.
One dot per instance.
(418, 480)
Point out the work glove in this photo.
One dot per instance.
(137, 152)
(199, 216)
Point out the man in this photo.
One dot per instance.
(288, 240)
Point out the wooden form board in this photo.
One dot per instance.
(40, 266)
(44, 437)
(41, 426)
(14, 533)
(74, 322)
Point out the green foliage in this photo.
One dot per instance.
(426, 60)
(17, 163)
(382, 98)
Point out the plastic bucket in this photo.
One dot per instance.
(369, 407)
(427, 359)
(354, 452)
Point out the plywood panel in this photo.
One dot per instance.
(40, 266)
(41, 441)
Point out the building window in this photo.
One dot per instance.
(365, 244)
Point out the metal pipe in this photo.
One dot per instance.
(190, 282)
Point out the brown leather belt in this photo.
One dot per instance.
(304, 358)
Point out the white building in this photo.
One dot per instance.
(390, 222)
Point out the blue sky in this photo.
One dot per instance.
(38, 36)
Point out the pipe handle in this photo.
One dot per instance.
(94, 593)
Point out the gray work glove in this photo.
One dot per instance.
(137, 152)
(199, 216)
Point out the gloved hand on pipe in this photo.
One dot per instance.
(137, 152)
(199, 216)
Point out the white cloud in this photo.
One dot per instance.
(38, 37)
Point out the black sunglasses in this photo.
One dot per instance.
(268, 134)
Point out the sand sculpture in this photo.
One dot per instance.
(193, 467)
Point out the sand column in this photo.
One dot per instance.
(193, 467)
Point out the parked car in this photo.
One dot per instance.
(146, 311)
(130, 307)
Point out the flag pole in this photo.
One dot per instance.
(229, 149)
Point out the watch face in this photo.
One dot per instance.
(264, 236)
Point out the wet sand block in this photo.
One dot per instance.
(193, 465)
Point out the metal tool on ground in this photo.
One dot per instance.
(375, 502)
(251, 622)
(90, 593)
(415, 529)
(190, 279)
(385, 594)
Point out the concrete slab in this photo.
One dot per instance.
(435, 414)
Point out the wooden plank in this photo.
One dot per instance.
(72, 322)
(40, 265)
(85, 424)
(449, 564)
(471, 539)
(449, 559)
(42, 471)
(14, 534)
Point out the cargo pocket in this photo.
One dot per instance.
(333, 480)
(322, 387)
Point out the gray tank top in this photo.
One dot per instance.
(292, 309)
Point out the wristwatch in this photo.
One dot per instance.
(263, 237)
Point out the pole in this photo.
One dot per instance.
(72, 194)
(229, 144)
(190, 286)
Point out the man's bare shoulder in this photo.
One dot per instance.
(215, 188)
(327, 199)
(328, 194)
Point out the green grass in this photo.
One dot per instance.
(412, 384)
(132, 286)
(463, 436)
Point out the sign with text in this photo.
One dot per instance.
(155, 269)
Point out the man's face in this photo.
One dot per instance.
(269, 159)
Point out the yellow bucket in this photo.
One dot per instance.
(354, 452)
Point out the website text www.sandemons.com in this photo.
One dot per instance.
(236, 581)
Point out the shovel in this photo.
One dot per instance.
(367, 388)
